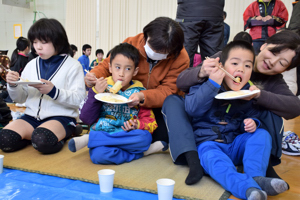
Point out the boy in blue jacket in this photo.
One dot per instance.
(227, 132)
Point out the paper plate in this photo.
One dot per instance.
(28, 82)
(236, 94)
(112, 98)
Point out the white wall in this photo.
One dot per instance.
(10, 15)
(118, 19)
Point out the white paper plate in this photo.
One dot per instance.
(236, 94)
(28, 82)
(104, 98)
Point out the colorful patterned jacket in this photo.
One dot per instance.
(110, 117)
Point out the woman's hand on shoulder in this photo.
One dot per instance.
(101, 85)
(208, 66)
(44, 88)
(136, 99)
(12, 76)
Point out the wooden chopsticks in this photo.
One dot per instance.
(89, 72)
(226, 72)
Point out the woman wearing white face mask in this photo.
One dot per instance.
(152, 54)
(162, 58)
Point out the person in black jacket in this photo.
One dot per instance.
(5, 114)
(202, 24)
(19, 57)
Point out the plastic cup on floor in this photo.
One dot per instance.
(1, 163)
(165, 188)
(106, 180)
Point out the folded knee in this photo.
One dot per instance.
(263, 135)
(103, 155)
(45, 141)
(9, 140)
(172, 100)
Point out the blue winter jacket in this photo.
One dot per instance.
(214, 119)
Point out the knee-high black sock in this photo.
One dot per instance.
(196, 170)
(271, 172)
(11, 141)
(45, 141)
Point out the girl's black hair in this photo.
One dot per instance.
(126, 50)
(50, 30)
(165, 35)
(284, 40)
(22, 43)
(234, 45)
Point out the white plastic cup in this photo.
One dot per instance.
(1, 163)
(165, 188)
(106, 180)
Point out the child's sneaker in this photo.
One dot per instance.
(290, 144)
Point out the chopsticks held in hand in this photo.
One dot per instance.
(89, 72)
(237, 80)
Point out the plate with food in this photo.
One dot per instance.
(27, 82)
(112, 98)
(236, 94)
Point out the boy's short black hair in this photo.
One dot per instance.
(243, 35)
(50, 30)
(73, 47)
(85, 46)
(99, 51)
(235, 45)
(126, 50)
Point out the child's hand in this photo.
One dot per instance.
(44, 88)
(90, 79)
(250, 125)
(101, 85)
(217, 75)
(131, 124)
(12, 76)
(254, 96)
(207, 66)
(136, 99)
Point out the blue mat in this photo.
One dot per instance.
(16, 184)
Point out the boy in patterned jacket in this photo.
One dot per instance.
(118, 133)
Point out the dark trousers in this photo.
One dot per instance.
(161, 133)
(180, 130)
(206, 34)
(257, 44)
